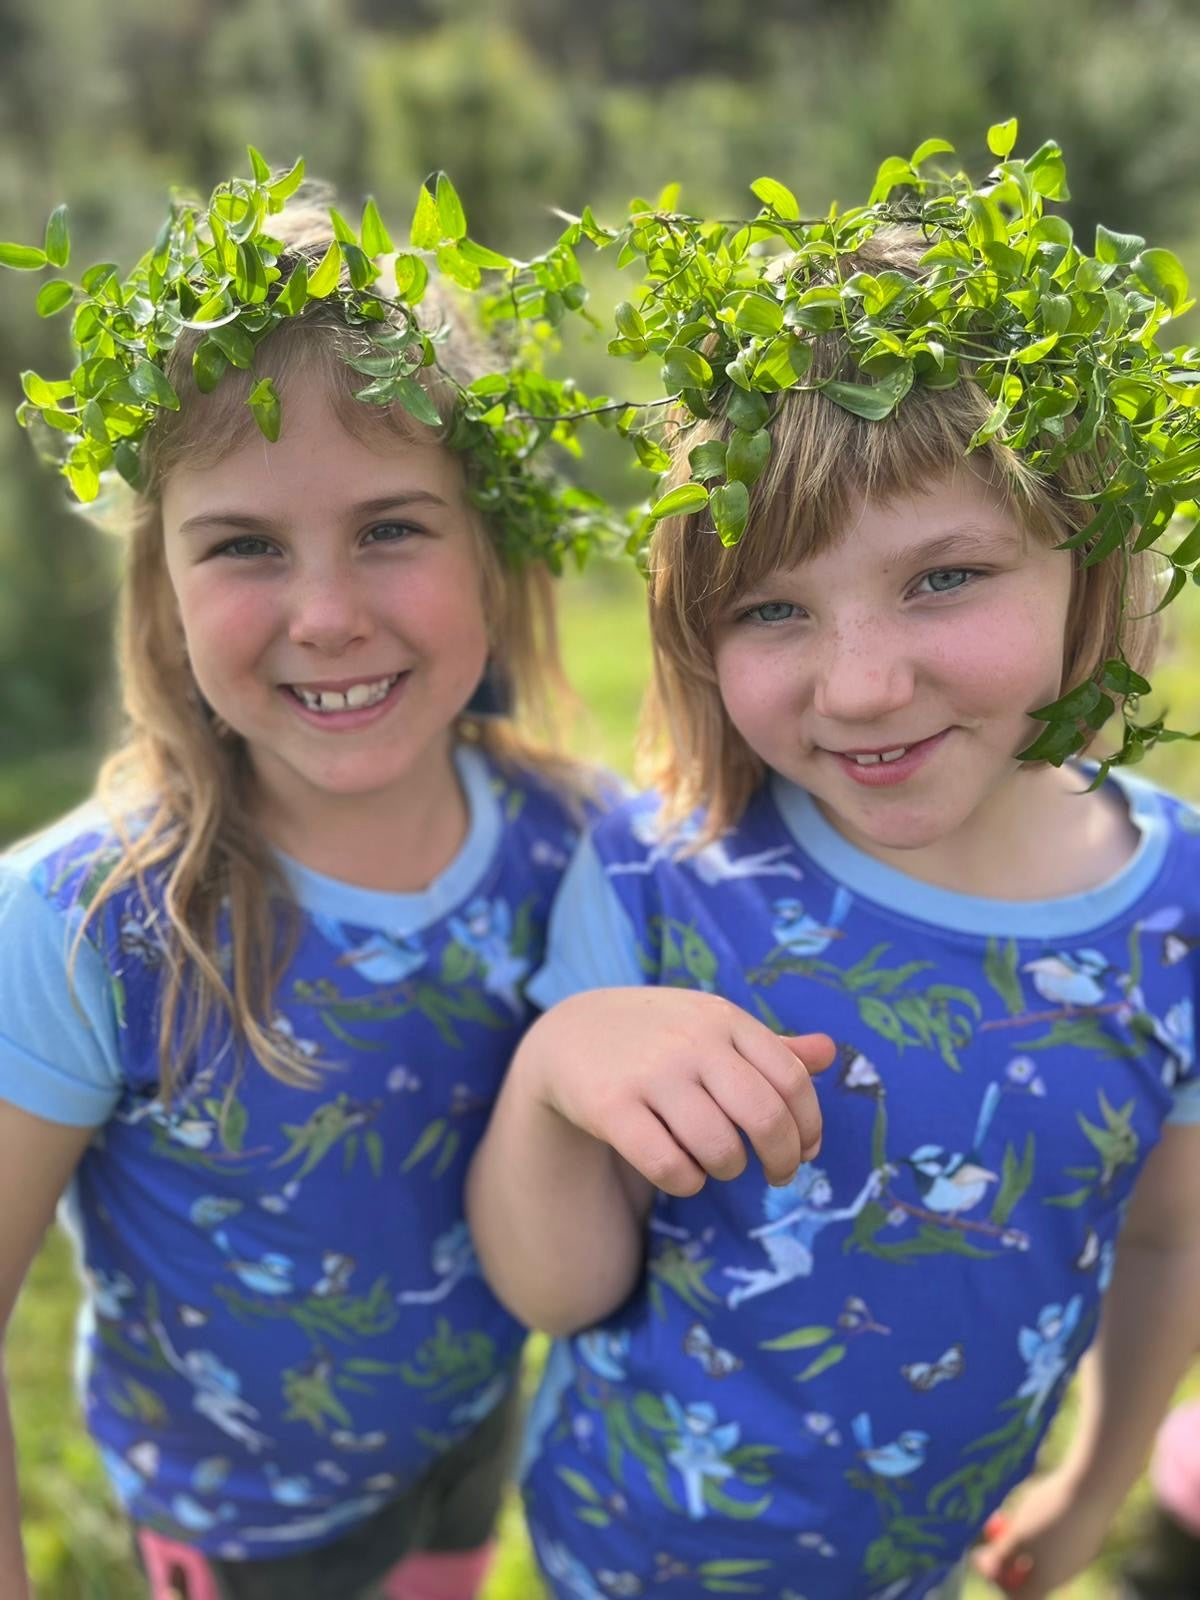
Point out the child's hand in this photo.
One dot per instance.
(671, 1078)
(1053, 1531)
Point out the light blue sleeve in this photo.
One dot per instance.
(590, 942)
(58, 1042)
(1186, 1109)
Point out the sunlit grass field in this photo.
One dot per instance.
(77, 1547)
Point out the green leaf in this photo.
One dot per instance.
(342, 231)
(629, 320)
(376, 240)
(323, 280)
(1119, 247)
(283, 188)
(264, 403)
(150, 383)
(1001, 137)
(778, 197)
(680, 501)
(416, 402)
(480, 256)
(730, 506)
(931, 147)
(235, 344)
(684, 368)
(1163, 274)
(748, 409)
(58, 241)
(874, 401)
(747, 455)
(258, 165)
(895, 170)
(758, 315)
(24, 257)
(1120, 677)
(707, 460)
(42, 392)
(451, 217)
(293, 297)
(53, 296)
(829, 1357)
(1055, 743)
(799, 1339)
(250, 275)
(426, 230)
(412, 276)
(209, 365)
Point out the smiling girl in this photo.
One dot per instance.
(257, 1000)
(820, 1380)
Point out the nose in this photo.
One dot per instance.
(864, 673)
(328, 608)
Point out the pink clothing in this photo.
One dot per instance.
(1175, 1467)
(439, 1575)
(177, 1572)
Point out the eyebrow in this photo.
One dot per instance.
(362, 508)
(959, 542)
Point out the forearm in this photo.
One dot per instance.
(14, 1584)
(1149, 1332)
(556, 1216)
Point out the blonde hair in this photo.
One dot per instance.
(823, 460)
(186, 778)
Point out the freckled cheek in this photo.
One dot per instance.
(1011, 660)
(756, 685)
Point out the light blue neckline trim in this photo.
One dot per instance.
(964, 913)
(403, 914)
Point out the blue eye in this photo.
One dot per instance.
(390, 532)
(246, 547)
(948, 578)
(772, 611)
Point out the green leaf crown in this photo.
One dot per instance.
(218, 282)
(1064, 344)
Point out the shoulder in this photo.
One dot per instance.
(60, 865)
(1163, 819)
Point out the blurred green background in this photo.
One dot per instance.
(528, 104)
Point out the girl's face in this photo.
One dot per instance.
(330, 597)
(892, 675)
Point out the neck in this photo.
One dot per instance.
(1044, 838)
(397, 840)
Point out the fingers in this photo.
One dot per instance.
(816, 1051)
(643, 1139)
(780, 1065)
(1001, 1560)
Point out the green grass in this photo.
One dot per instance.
(76, 1544)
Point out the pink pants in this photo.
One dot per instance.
(178, 1572)
(1175, 1468)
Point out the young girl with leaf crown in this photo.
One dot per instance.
(258, 998)
(822, 1379)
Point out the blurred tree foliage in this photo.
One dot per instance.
(528, 104)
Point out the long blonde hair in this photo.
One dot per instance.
(823, 458)
(178, 788)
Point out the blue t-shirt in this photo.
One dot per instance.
(824, 1389)
(284, 1322)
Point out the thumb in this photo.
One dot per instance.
(816, 1050)
(1002, 1560)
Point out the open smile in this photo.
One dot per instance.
(345, 703)
(885, 765)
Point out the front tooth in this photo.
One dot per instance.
(867, 761)
(331, 700)
(358, 696)
(894, 755)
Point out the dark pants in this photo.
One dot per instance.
(453, 1507)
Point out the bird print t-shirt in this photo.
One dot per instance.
(284, 1320)
(824, 1389)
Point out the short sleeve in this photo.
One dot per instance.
(590, 943)
(58, 1040)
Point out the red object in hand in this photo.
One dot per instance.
(1014, 1571)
